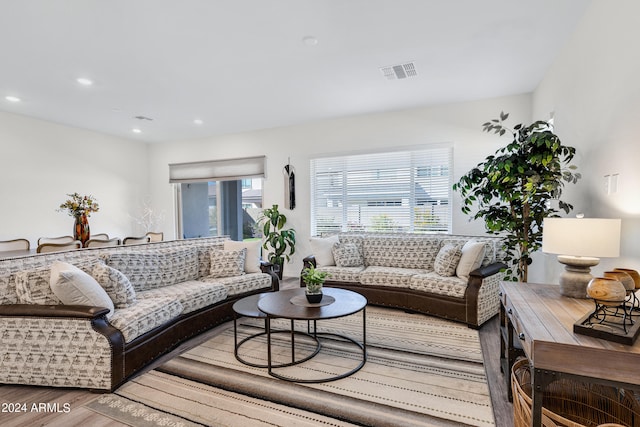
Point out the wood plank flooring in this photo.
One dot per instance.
(79, 416)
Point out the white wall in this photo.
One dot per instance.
(460, 124)
(41, 162)
(594, 89)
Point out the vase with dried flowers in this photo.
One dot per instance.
(80, 208)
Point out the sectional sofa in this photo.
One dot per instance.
(449, 276)
(92, 318)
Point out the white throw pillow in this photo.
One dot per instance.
(322, 250)
(471, 258)
(75, 287)
(252, 261)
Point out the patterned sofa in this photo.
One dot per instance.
(158, 295)
(449, 276)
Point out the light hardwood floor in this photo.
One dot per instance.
(79, 416)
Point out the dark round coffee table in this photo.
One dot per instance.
(248, 307)
(286, 304)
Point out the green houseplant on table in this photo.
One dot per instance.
(280, 242)
(313, 279)
(513, 188)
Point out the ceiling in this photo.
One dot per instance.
(242, 65)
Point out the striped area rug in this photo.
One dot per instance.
(420, 371)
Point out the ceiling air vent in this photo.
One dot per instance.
(143, 118)
(397, 72)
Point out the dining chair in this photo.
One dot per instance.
(14, 245)
(101, 236)
(57, 247)
(135, 240)
(101, 243)
(61, 239)
(155, 236)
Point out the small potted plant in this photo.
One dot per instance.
(313, 279)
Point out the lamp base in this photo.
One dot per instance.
(576, 276)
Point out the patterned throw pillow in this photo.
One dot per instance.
(227, 263)
(347, 255)
(447, 260)
(33, 287)
(252, 261)
(116, 284)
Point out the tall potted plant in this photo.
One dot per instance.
(512, 189)
(280, 242)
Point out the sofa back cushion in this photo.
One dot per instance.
(153, 269)
(402, 251)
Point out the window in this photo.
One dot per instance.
(217, 208)
(218, 197)
(399, 191)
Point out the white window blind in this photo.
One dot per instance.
(218, 170)
(399, 191)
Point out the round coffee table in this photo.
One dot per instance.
(286, 304)
(248, 307)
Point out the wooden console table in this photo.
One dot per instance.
(538, 322)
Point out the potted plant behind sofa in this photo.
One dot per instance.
(313, 279)
(514, 187)
(280, 242)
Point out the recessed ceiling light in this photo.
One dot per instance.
(84, 81)
(136, 130)
(12, 98)
(198, 121)
(310, 40)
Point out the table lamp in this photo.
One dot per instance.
(579, 243)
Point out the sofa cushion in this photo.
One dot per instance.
(322, 250)
(471, 258)
(241, 284)
(400, 251)
(193, 295)
(388, 276)
(252, 259)
(145, 315)
(447, 260)
(116, 284)
(75, 287)
(347, 255)
(227, 263)
(154, 268)
(342, 274)
(436, 284)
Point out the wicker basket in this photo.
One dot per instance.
(570, 403)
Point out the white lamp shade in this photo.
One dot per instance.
(587, 237)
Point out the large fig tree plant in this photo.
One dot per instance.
(512, 190)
